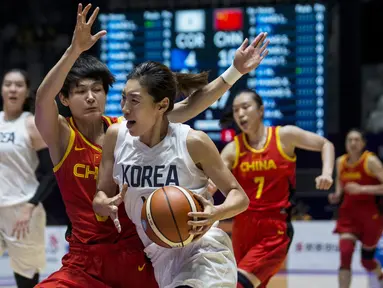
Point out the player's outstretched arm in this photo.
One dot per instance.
(53, 128)
(106, 202)
(374, 168)
(106, 187)
(247, 58)
(294, 137)
(228, 156)
(205, 155)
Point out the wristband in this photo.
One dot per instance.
(231, 75)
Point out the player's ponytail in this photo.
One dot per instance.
(187, 83)
(161, 82)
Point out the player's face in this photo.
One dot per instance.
(246, 112)
(87, 99)
(354, 143)
(14, 91)
(139, 109)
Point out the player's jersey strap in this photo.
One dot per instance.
(280, 146)
(120, 119)
(365, 164)
(67, 151)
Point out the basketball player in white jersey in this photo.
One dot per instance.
(22, 217)
(147, 152)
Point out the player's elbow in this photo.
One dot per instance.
(244, 200)
(39, 95)
(328, 145)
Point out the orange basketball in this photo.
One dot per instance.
(164, 216)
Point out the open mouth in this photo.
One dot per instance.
(243, 123)
(13, 98)
(130, 123)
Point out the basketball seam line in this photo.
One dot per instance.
(153, 225)
(174, 218)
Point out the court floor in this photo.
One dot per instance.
(315, 280)
(283, 280)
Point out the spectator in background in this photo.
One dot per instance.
(22, 150)
(375, 119)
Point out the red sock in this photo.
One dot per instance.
(346, 247)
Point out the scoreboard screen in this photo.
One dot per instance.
(291, 79)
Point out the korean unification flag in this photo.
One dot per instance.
(190, 21)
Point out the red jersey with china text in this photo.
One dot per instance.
(358, 173)
(267, 175)
(76, 175)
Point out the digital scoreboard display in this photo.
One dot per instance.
(291, 79)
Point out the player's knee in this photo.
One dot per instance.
(368, 259)
(243, 281)
(346, 247)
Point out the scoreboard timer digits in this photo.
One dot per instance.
(291, 79)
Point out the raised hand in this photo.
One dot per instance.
(248, 57)
(82, 38)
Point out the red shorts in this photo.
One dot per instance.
(104, 266)
(367, 226)
(261, 245)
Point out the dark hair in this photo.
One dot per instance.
(161, 82)
(228, 118)
(87, 66)
(29, 101)
(361, 132)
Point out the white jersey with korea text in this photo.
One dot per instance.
(18, 162)
(146, 169)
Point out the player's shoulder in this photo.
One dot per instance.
(199, 144)
(287, 130)
(30, 121)
(372, 158)
(113, 129)
(196, 137)
(340, 160)
(230, 147)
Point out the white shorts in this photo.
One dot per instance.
(27, 255)
(208, 262)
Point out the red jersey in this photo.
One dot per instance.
(358, 173)
(76, 175)
(267, 175)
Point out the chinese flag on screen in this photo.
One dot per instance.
(228, 19)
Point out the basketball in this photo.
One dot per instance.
(164, 216)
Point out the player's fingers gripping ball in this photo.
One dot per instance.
(164, 216)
